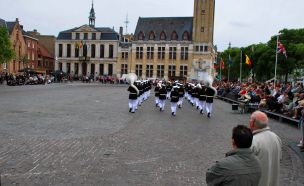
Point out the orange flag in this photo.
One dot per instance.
(248, 61)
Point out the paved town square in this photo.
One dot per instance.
(83, 134)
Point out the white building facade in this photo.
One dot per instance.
(87, 50)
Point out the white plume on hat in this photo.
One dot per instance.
(208, 80)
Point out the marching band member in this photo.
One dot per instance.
(140, 88)
(133, 95)
(168, 88)
(181, 93)
(196, 95)
(156, 91)
(202, 98)
(162, 97)
(210, 94)
(193, 94)
(174, 99)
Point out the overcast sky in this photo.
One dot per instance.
(241, 22)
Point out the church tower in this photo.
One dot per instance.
(204, 53)
(203, 21)
(92, 16)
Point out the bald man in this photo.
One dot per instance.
(267, 146)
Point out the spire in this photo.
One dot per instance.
(127, 22)
(92, 16)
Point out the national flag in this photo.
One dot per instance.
(248, 61)
(281, 48)
(222, 64)
(230, 60)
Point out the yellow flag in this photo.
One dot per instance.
(248, 61)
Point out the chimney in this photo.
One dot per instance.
(35, 30)
(121, 30)
(17, 20)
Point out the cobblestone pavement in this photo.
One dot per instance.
(83, 134)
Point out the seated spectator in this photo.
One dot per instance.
(241, 166)
(298, 108)
(271, 100)
(293, 108)
(297, 89)
(282, 100)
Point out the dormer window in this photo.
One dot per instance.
(186, 36)
(174, 36)
(162, 36)
(151, 36)
(141, 36)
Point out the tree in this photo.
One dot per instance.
(6, 51)
(264, 55)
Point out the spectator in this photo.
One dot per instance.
(240, 167)
(301, 144)
(267, 146)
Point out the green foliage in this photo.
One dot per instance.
(6, 51)
(264, 55)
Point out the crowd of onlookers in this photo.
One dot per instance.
(90, 78)
(287, 99)
(25, 79)
(34, 79)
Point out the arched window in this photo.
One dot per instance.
(186, 36)
(151, 36)
(163, 36)
(174, 35)
(141, 36)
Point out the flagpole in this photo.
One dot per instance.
(221, 70)
(228, 72)
(276, 62)
(241, 66)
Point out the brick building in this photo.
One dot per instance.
(18, 43)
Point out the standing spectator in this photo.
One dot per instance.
(241, 166)
(267, 146)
